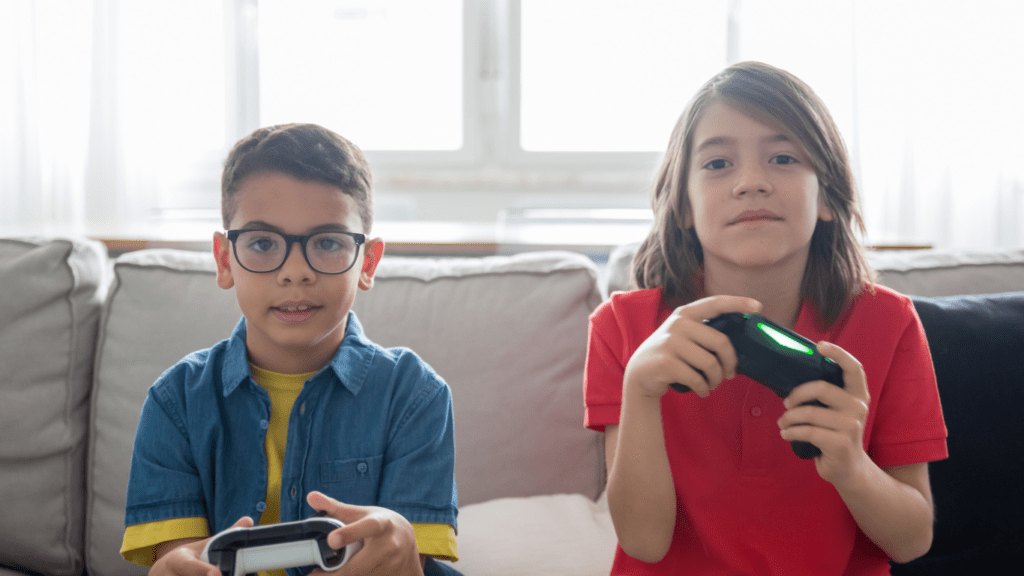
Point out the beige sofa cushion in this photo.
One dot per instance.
(163, 304)
(507, 333)
(912, 272)
(942, 273)
(48, 318)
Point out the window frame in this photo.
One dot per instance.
(491, 101)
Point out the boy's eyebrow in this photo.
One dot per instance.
(725, 140)
(268, 227)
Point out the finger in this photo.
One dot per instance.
(711, 339)
(243, 522)
(853, 372)
(712, 306)
(185, 563)
(812, 415)
(700, 365)
(336, 509)
(366, 528)
(828, 394)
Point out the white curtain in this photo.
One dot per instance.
(927, 94)
(108, 109)
(111, 109)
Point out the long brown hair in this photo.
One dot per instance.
(671, 257)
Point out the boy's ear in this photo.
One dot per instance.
(824, 212)
(222, 254)
(373, 250)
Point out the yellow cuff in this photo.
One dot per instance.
(437, 540)
(140, 540)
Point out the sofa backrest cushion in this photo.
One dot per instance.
(912, 272)
(163, 304)
(507, 333)
(49, 310)
(976, 344)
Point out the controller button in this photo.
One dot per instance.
(755, 411)
(261, 506)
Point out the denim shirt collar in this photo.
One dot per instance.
(350, 364)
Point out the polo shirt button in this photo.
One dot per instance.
(264, 424)
(261, 506)
(362, 467)
(755, 411)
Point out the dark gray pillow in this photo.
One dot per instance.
(977, 346)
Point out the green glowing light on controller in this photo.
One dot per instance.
(783, 339)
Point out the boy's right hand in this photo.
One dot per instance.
(181, 557)
(686, 350)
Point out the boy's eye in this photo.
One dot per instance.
(330, 242)
(327, 244)
(783, 159)
(262, 244)
(717, 164)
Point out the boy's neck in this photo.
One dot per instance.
(776, 287)
(297, 360)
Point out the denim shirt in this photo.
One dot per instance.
(373, 427)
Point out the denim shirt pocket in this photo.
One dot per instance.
(353, 481)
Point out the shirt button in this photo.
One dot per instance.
(302, 409)
(362, 467)
(264, 424)
(261, 506)
(755, 411)
(294, 491)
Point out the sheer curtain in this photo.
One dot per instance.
(111, 110)
(927, 96)
(108, 109)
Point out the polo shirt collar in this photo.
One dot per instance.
(350, 364)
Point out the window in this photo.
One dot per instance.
(115, 109)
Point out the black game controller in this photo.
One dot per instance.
(776, 358)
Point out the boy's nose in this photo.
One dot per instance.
(752, 178)
(295, 268)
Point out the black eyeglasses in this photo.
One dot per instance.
(326, 252)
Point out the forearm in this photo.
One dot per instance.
(896, 515)
(641, 495)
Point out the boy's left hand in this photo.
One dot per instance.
(838, 431)
(389, 542)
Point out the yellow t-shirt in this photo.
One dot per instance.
(140, 540)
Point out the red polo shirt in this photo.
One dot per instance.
(745, 503)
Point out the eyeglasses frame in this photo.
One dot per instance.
(301, 239)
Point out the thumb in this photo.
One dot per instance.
(243, 522)
(336, 509)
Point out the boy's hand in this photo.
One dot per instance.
(838, 430)
(687, 351)
(389, 542)
(181, 557)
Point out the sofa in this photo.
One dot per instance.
(83, 335)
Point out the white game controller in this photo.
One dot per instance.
(239, 551)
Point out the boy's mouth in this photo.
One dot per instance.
(294, 312)
(755, 216)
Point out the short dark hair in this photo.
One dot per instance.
(671, 257)
(304, 152)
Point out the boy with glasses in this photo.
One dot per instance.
(297, 412)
